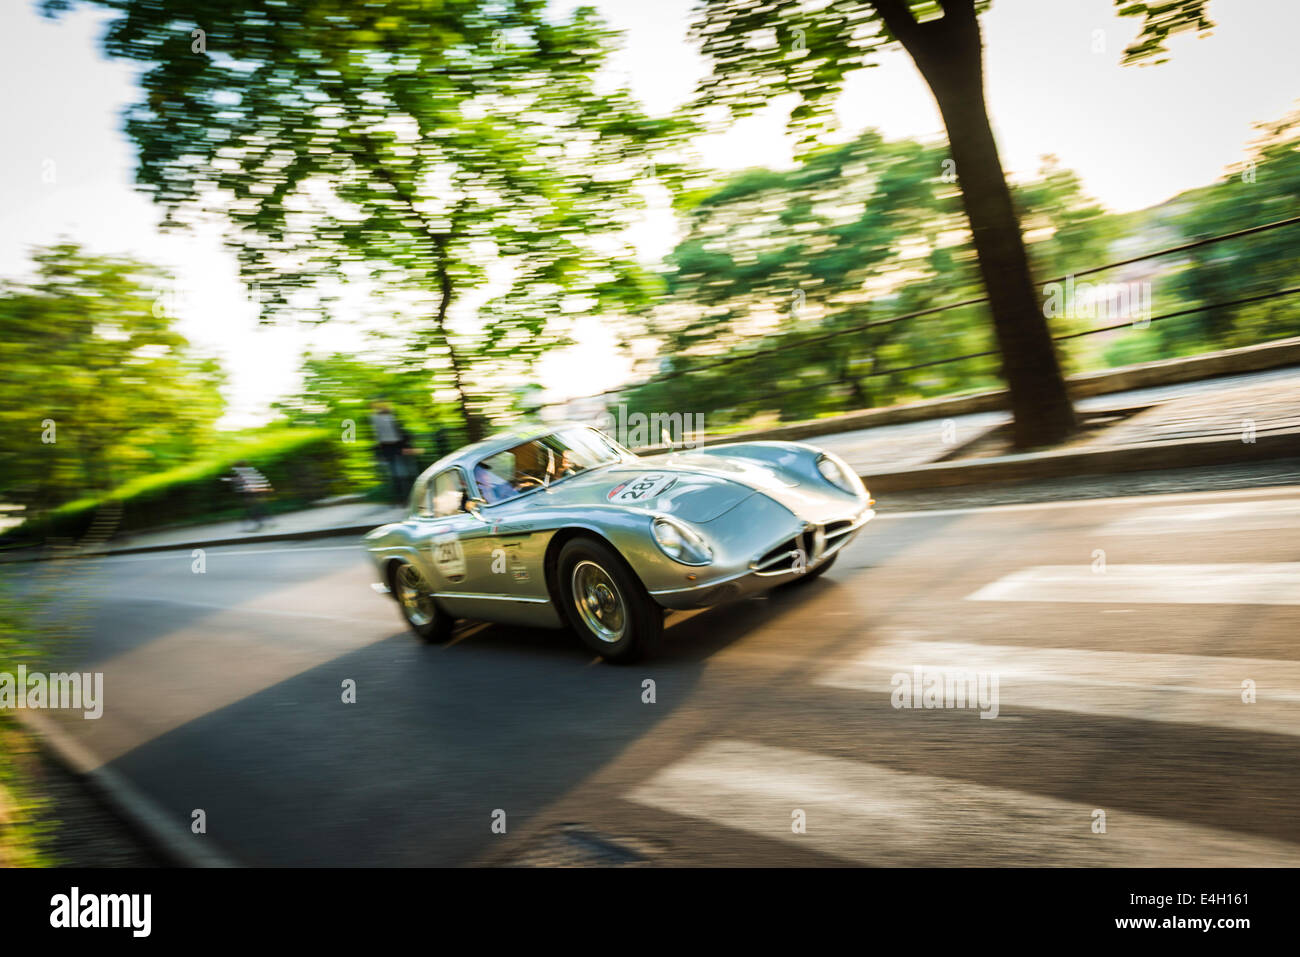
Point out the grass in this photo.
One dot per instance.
(24, 831)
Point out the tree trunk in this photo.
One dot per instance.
(473, 424)
(858, 397)
(948, 53)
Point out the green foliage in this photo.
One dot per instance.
(96, 385)
(303, 465)
(759, 50)
(1264, 188)
(337, 394)
(762, 50)
(25, 830)
(1159, 20)
(791, 264)
(407, 144)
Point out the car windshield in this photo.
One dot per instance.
(539, 462)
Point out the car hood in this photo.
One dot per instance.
(695, 487)
(694, 495)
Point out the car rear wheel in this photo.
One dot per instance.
(421, 612)
(606, 604)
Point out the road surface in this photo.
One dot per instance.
(1123, 634)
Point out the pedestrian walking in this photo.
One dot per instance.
(254, 489)
(393, 447)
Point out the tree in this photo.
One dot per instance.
(1255, 271)
(96, 386)
(337, 391)
(808, 260)
(1264, 189)
(759, 49)
(408, 144)
(802, 258)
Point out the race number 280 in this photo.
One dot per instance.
(641, 488)
(448, 556)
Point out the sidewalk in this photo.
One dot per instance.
(1212, 408)
(1248, 418)
(321, 522)
(1244, 418)
(303, 524)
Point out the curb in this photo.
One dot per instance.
(206, 543)
(1026, 466)
(242, 540)
(1257, 358)
(1182, 453)
(138, 811)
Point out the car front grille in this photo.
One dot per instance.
(813, 543)
(835, 532)
(780, 559)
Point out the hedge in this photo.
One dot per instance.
(302, 465)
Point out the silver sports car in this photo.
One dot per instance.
(564, 527)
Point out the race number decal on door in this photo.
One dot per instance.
(448, 556)
(643, 488)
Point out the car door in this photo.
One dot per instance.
(475, 571)
(445, 530)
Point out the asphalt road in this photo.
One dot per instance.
(1120, 632)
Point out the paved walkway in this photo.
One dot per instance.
(1235, 411)
(1221, 407)
(305, 521)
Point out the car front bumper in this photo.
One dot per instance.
(788, 560)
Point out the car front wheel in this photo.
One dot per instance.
(606, 604)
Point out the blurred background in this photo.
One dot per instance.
(270, 257)
(228, 229)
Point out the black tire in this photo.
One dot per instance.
(419, 610)
(817, 572)
(606, 604)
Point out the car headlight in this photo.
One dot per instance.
(680, 543)
(838, 474)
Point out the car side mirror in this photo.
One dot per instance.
(471, 505)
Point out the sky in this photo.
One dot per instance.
(1135, 135)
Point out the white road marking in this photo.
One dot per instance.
(1175, 689)
(871, 814)
(1237, 583)
(1232, 516)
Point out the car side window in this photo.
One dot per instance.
(447, 493)
(494, 476)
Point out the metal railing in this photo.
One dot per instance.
(933, 310)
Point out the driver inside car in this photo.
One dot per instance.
(492, 486)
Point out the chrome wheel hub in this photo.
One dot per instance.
(598, 602)
(416, 603)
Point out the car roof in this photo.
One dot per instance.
(468, 455)
(475, 452)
